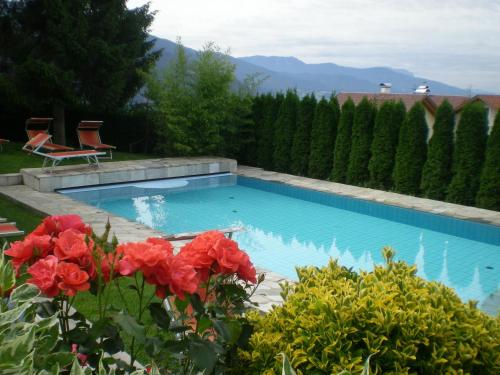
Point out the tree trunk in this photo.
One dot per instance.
(59, 123)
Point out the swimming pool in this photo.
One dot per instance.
(288, 227)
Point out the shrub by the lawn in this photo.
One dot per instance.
(333, 319)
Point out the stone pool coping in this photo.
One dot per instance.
(394, 199)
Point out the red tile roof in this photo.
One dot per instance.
(408, 99)
(455, 100)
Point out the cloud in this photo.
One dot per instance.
(451, 41)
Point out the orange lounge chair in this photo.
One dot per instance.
(9, 230)
(89, 137)
(38, 142)
(37, 125)
(2, 142)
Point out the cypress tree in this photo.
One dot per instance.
(302, 138)
(285, 130)
(266, 132)
(437, 169)
(362, 135)
(385, 142)
(343, 142)
(323, 136)
(489, 190)
(469, 155)
(411, 151)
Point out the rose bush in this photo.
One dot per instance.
(63, 257)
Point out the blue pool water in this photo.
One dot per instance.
(288, 227)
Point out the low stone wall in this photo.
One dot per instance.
(10, 179)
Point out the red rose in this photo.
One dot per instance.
(53, 225)
(143, 256)
(230, 259)
(179, 275)
(73, 245)
(164, 244)
(197, 252)
(43, 274)
(72, 278)
(29, 249)
(246, 271)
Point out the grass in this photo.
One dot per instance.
(13, 158)
(85, 303)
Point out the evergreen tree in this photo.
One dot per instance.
(323, 136)
(362, 135)
(385, 142)
(436, 174)
(469, 155)
(411, 151)
(248, 132)
(489, 190)
(265, 146)
(59, 53)
(343, 142)
(302, 138)
(285, 129)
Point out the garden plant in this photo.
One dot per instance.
(196, 298)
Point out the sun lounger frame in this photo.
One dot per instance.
(34, 145)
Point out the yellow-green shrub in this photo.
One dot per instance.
(333, 319)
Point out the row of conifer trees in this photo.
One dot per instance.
(383, 147)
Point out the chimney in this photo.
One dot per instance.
(422, 89)
(385, 88)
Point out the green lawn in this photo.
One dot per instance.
(13, 158)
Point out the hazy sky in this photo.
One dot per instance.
(453, 41)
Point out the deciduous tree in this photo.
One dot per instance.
(61, 52)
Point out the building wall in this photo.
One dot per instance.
(491, 118)
(430, 119)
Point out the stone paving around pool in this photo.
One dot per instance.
(37, 193)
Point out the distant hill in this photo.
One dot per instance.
(282, 73)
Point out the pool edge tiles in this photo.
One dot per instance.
(441, 208)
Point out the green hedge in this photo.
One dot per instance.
(362, 135)
(343, 142)
(323, 136)
(469, 154)
(436, 174)
(411, 152)
(489, 191)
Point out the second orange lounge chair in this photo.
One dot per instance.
(89, 137)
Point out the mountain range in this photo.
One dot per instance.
(280, 73)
